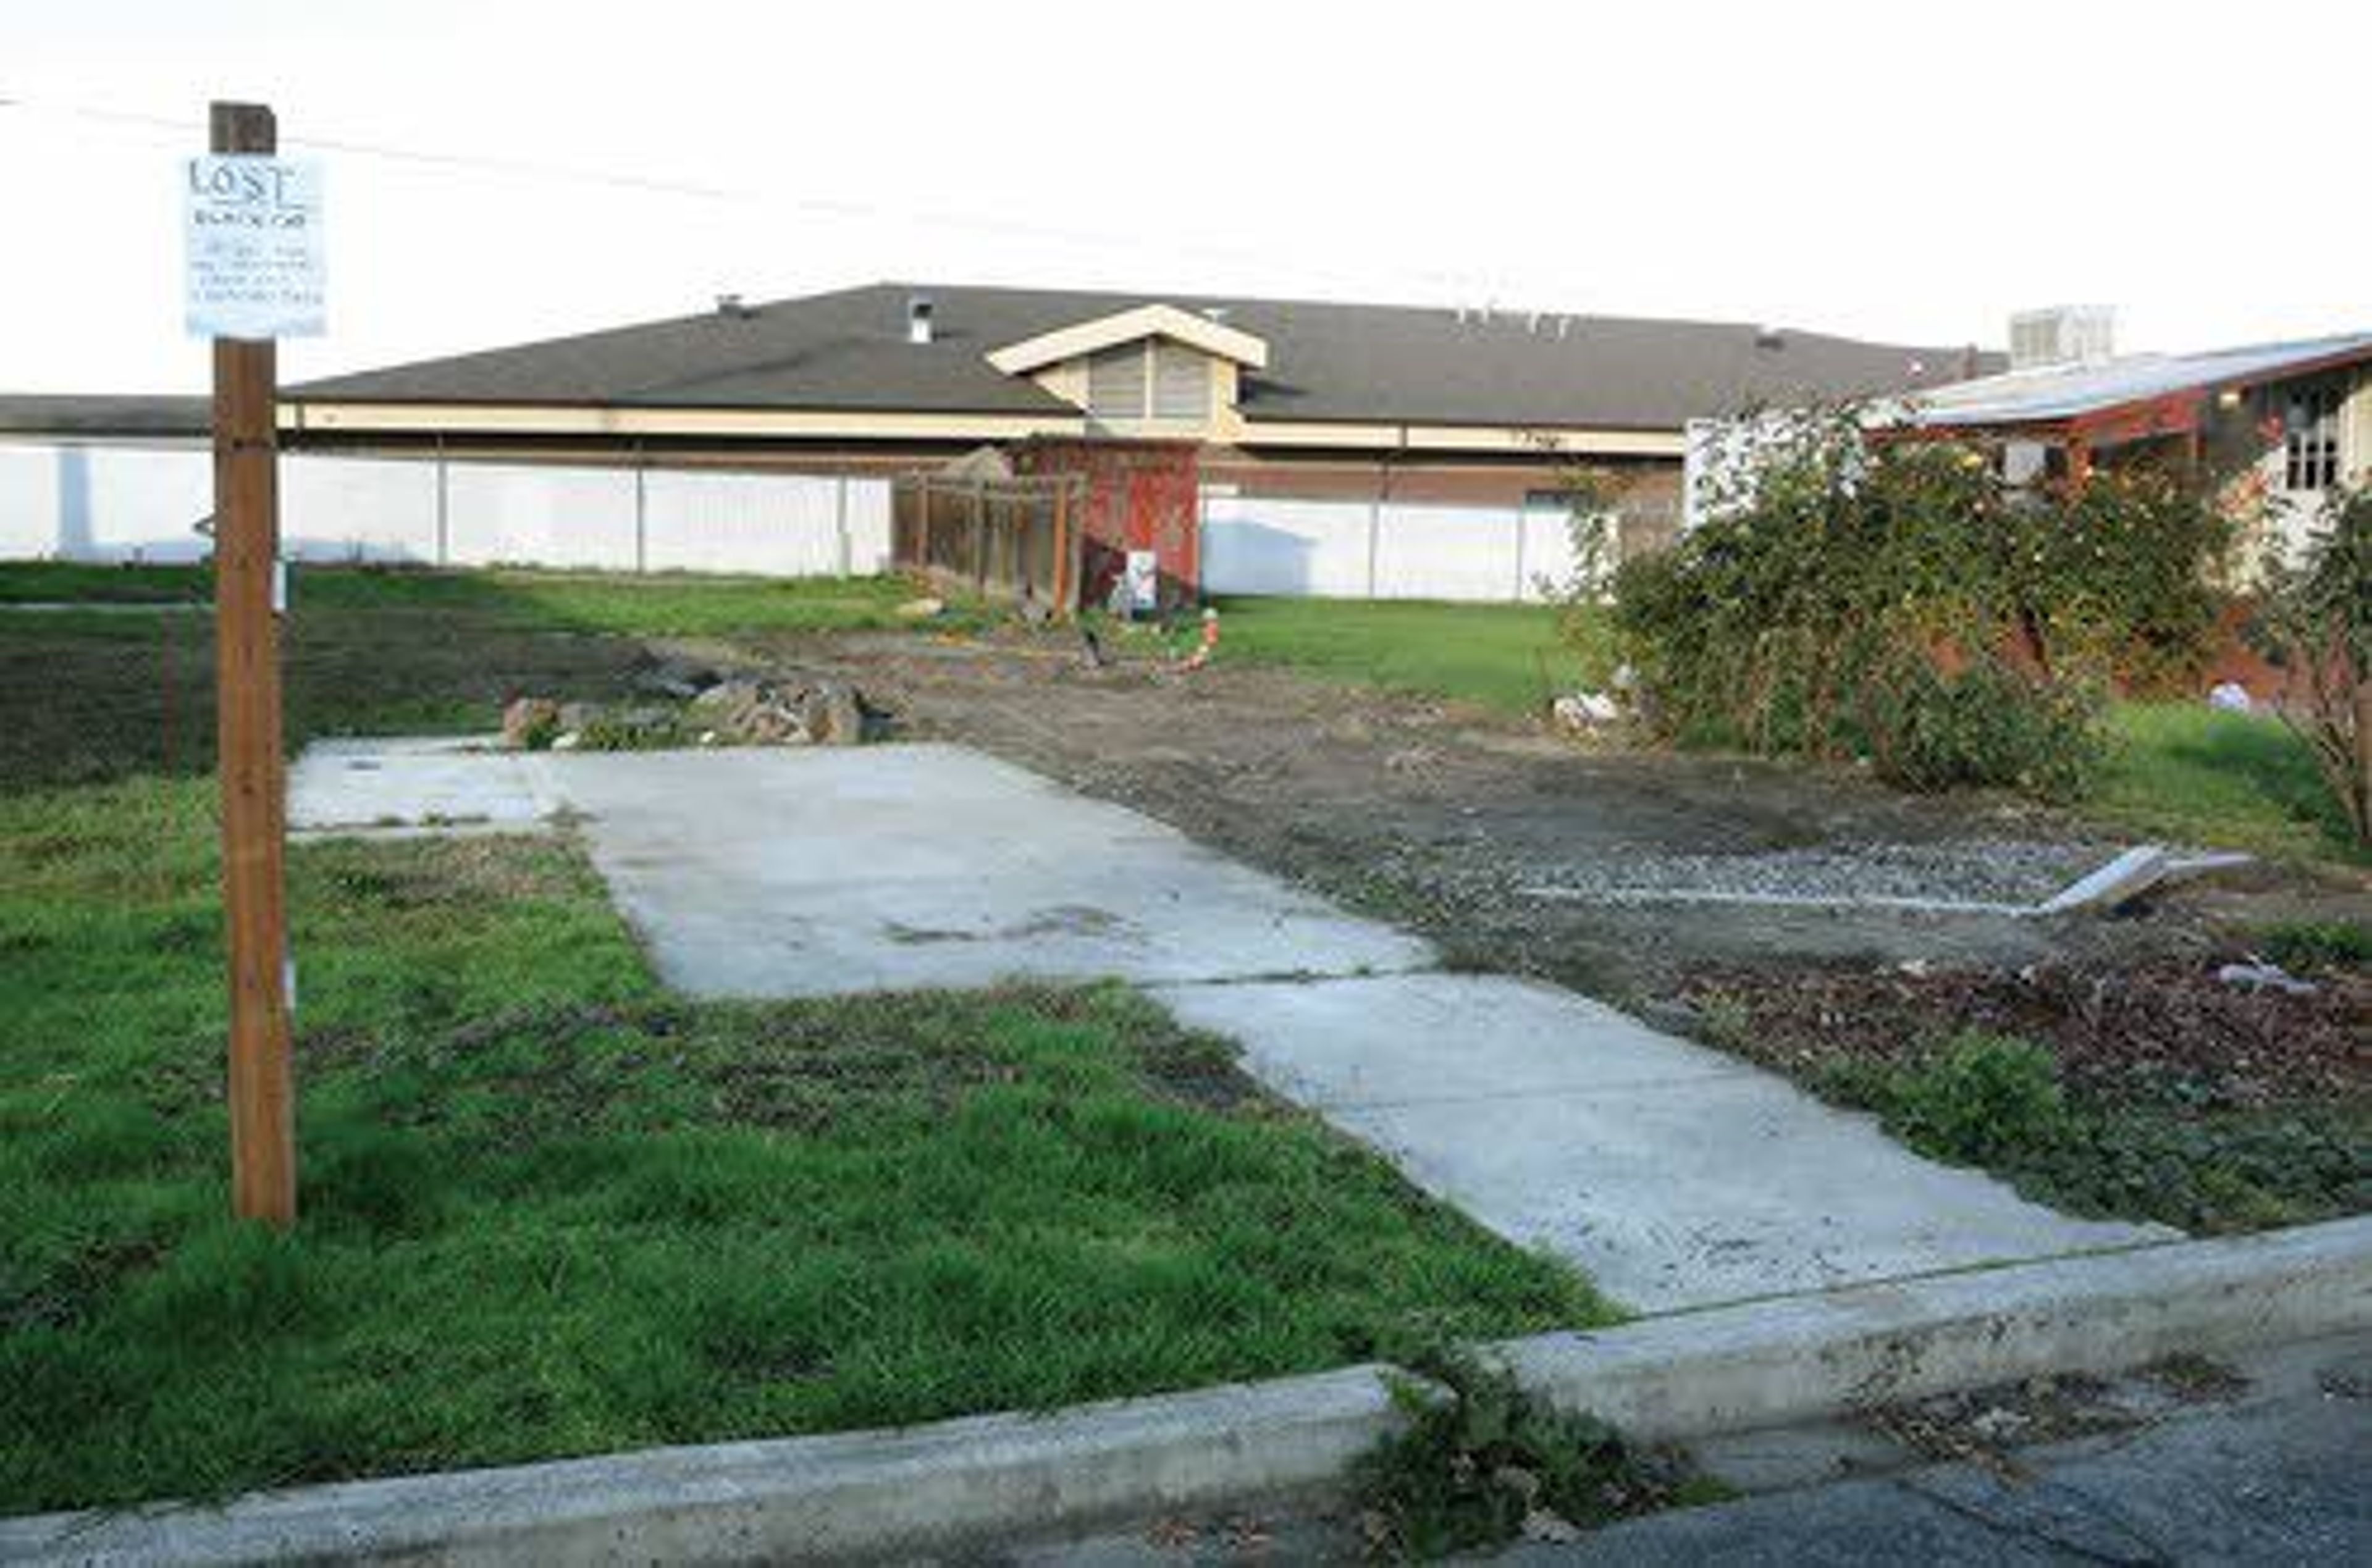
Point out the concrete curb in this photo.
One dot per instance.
(876, 1494)
(1798, 1358)
(793, 1500)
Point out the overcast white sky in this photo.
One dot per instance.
(1899, 170)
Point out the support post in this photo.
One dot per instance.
(980, 537)
(843, 556)
(1064, 589)
(641, 513)
(248, 722)
(444, 509)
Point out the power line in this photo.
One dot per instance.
(834, 207)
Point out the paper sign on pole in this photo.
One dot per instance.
(253, 232)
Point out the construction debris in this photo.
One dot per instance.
(2263, 976)
(737, 712)
(1580, 712)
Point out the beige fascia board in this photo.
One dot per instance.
(1547, 441)
(1131, 326)
(506, 419)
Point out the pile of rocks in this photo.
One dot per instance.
(706, 709)
(759, 712)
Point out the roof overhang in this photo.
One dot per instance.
(2139, 391)
(305, 415)
(326, 417)
(1085, 338)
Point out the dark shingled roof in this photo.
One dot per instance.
(1364, 363)
(38, 414)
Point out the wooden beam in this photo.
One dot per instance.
(248, 727)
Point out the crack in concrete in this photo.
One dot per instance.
(2026, 1530)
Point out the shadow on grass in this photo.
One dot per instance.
(91, 698)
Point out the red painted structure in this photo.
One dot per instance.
(1140, 495)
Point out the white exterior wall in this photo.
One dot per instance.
(1388, 550)
(87, 501)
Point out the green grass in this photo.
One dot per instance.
(1490, 654)
(60, 582)
(94, 697)
(548, 1208)
(2237, 781)
(1996, 1102)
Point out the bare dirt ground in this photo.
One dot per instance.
(1518, 850)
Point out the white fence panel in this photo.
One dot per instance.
(1458, 553)
(538, 515)
(1253, 545)
(869, 544)
(144, 504)
(785, 525)
(76, 502)
(1548, 551)
(358, 509)
(115, 501)
(30, 525)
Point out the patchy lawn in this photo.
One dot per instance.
(1502, 657)
(550, 1209)
(92, 697)
(2144, 1089)
(65, 582)
(2177, 771)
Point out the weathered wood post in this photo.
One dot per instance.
(248, 729)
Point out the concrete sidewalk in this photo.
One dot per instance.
(1676, 1176)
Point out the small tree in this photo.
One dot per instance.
(2317, 618)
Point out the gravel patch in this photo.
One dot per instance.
(1995, 872)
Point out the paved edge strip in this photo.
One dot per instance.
(801, 1499)
(1801, 1357)
(875, 1494)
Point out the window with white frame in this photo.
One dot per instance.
(2310, 436)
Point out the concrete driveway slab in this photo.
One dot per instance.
(441, 784)
(1674, 1176)
(820, 872)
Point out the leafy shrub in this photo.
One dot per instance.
(1990, 724)
(1898, 602)
(1981, 1098)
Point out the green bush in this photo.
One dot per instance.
(1983, 1097)
(1990, 724)
(1897, 602)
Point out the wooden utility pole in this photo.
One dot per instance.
(247, 702)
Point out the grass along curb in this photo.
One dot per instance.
(1666, 1378)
